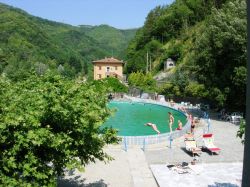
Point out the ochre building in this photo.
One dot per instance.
(108, 67)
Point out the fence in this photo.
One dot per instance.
(154, 139)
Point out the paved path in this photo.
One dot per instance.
(128, 169)
(132, 168)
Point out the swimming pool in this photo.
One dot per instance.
(129, 118)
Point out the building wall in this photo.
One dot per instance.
(169, 64)
(103, 70)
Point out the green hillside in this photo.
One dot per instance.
(207, 40)
(114, 40)
(32, 43)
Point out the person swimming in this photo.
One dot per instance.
(154, 127)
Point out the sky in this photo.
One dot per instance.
(121, 14)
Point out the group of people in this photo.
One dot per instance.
(171, 122)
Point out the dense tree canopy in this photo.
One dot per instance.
(143, 81)
(48, 123)
(165, 23)
(207, 40)
(220, 54)
(111, 84)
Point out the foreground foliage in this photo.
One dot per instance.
(48, 123)
(241, 131)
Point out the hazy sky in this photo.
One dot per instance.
(121, 14)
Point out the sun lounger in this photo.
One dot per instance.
(191, 146)
(209, 144)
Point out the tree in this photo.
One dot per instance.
(75, 63)
(239, 81)
(40, 68)
(196, 90)
(241, 131)
(145, 82)
(111, 84)
(220, 54)
(49, 123)
(180, 79)
(115, 85)
(135, 79)
(167, 89)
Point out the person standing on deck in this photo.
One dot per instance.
(171, 121)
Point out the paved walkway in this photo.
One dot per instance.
(128, 169)
(136, 168)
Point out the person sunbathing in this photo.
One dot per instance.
(154, 127)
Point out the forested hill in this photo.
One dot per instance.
(206, 39)
(32, 43)
(113, 39)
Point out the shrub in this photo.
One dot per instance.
(48, 123)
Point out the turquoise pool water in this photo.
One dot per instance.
(129, 118)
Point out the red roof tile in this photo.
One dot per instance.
(108, 60)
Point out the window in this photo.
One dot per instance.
(99, 76)
(115, 67)
(108, 68)
(107, 76)
(100, 67)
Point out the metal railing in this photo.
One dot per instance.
(143, 141)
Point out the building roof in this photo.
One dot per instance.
(109, 60)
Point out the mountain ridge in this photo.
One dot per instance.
(26, 40)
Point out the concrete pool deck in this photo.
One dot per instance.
(148, 168)
(200, 175)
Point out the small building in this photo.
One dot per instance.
(169, 64)
(108, 67)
